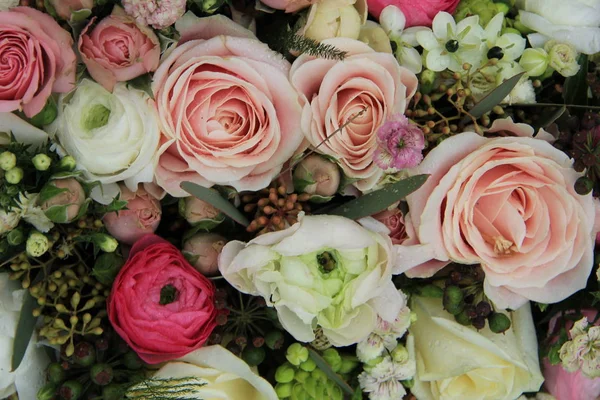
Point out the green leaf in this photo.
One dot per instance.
(379, 200)
(57, 214)
(323, 366)
(212, 197)
(24, 330)
(49, 191)
(494, 98)
(315, 198)
(549, 118)
(81, 15)
(144, 83)
(358, 394)
(575, 89)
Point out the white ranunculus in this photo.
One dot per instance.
(215, 373)
(30, 376)
(576, 22)
(112, 136)
(459, 362)
(325, 271)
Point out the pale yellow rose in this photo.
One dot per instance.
(455, 362)
(335, 18)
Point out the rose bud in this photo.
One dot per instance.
(141, 217)
(196, 211)
(64, 8)
(202, 250)
(62, 205)
(394, 221)
(317, 175)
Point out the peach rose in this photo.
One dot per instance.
(332, 92)
(394, 221)
(64, 8)
(228, 114)
(117, 49)
(37, 59)
(141, 217)
(509, 204)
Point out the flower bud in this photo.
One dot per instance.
(317, 175)
(67, 163)
(333, 358)
(308, 365)
(584, 185)
(301, 376)
(63, 200)
(534, 61)
(64, 8)
(47, 115)
(253, 355)
(400, 354)
(349, 363)
(47, 392)
(335, 18)
(499, 322)
(562, 57)
(427, 80)
(283, 390)
(453, 299)
(41, 162)
(37, 244)
(203, 250)
(274, 340)
(132, 361)
(15, 237)
(106, 243)
(14, 175)
(70, 390)
(101, 374)
(55, 373)
(84, 354)
(8, 160)
(285, 373)
(112, 392)
(296, 354)
(196, 211)
(373, 34)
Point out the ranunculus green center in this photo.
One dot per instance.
(452, 46)
(168, 294)
(95, 117)
(326, 262)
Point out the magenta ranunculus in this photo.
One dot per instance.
(117, 49)
(37, 59)
(159, 304)
(417, 12)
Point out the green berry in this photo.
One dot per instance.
(14, 175)
(285, 373)
(132, 361)
(297, 354)
(499, 323)
(8, 160)
(47, 392)
(308, 365)
(254, 355)
(101, 374)
(431, 291)
(70, 390)
(55, 373)
(453, 299)
(274, 340)
(112, 392)
(41, 162)
(283, 390)
(333, 358)
(301, 376)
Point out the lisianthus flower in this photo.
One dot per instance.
(393, 22)
(400, 144)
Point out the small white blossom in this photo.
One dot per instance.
(583, 351)
(511, 45)
(393, 22)
(28, 210)
(382, 381)
(8, 221)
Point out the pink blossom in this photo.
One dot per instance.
(158, 13)
(400, 144)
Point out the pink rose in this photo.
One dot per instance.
(228, 113)
(509, 204)
(332, 92)
(289, 6)
(417, 12)
(565, 385)
(141, 217)
(66, 204)
(204, 249)
(64, 8)
(159, 304)
(37, 59)
(117, 49)
(394, 221)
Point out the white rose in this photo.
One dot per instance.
(576, 22)
(112, 136)
(458, 362)
(325, 271)
(218, 374)
(30, 376)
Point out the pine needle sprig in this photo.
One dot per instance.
(296, 42)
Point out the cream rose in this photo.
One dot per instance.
(217, 373)
(459, 362)
(332, 92)
(112, 136)
(508, 204)
(325, 271)
(327, 19)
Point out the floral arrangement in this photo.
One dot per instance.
(299, 199)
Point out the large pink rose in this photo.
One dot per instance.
(37, 59)
(417, 12)
(117, 49)
(64, 8)
(228, 113)
(332, 92)
(509, 204)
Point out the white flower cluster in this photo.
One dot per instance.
(583, 350)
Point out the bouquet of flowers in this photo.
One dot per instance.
(299, 199)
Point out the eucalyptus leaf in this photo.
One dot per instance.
(494, 98)
(575, 89)
(213, 198)
(551, 117)
(24, 330)
(379, 200)
(323, 366)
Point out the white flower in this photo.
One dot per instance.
(450, 45)
(382, 381)
(523, 92)
(112, 136)
(8, 221)
(30, 376)
(393, 21)
(28, 209)
(583, 351)
(576, 22)
(507, 47)
(6, 4)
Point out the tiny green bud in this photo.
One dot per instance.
(8, 160)
(15, 237)
(283, 390)
(132, 361)
(431, 291)
(70, 390)
(285, 373)
(107, 243)
(253, 355)
(301, 376)
(534, 61)
(47, 392)
(37, 244)
(55, 373)
(499, 323)
(427, 81)
(308, 365)
(112, 392)
(67, 163)
(319, 375)
(409, 383)
(333, 358)
(463, 318)
(453, 299)
(400, 354)
(297, 354)
(47, 115)
(101, 374)
(84, 354)
(349, 363)
(14, 175)
(274, 340)
(41, 162)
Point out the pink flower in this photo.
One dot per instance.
(509, 204)
(159, 304)
(158, 13)
(37, 59)
(400, 144)
(141, 217)
(64, 8)
(117, 49)
(228, 113)
(394, 221)
(417, 12)
(289, 6)
(69, 201)
(565, 385)
(333, 92)
(203, 250)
